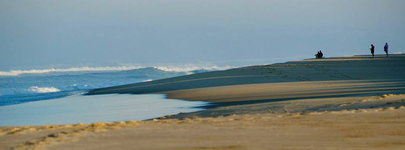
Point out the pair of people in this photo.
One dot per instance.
(319, 54)
(385, 49)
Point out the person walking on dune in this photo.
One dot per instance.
(386, 49)
(372, 50)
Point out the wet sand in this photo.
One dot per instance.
(334, 103)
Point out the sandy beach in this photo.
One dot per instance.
(353, 102)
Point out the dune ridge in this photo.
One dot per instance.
(354, 69)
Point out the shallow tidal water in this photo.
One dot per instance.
(94, 108)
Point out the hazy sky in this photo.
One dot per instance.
(44, 33)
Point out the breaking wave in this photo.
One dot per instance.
(44, 89)
(73, 69)
(186, 68)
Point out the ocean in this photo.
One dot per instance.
(56, 94)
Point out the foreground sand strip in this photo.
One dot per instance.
(378, 128)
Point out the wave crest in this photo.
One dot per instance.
(73, 69)
(185, 68)
(43, 89)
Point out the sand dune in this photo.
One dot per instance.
(311, 78)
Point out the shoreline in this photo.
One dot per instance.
(326, 78)
(265, 106)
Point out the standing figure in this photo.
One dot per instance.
(372, 50)
(320, 53)
(386, 49)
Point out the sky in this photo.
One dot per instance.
(48, 33)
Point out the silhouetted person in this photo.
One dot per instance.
(319, 54)
(386, 49)
(372, 50)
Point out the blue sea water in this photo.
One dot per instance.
(28, 87)
(55, 96)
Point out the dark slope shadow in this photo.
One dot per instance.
(336, 95)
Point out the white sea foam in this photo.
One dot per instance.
(184, 68)
(43, 89)
(73, 69)
(147, 80)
